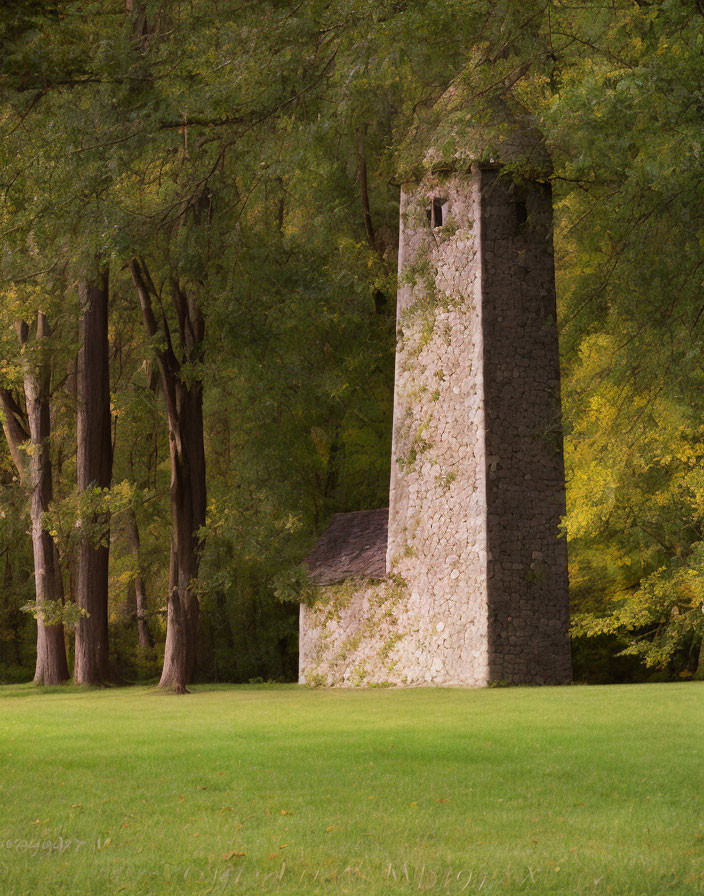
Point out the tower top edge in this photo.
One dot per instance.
(457, 135)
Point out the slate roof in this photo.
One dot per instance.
(352, 547)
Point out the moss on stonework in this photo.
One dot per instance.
(389, 645)
(420, 276)
(420, 444)
(415, 394)
(427, 329)
(449, 229)
(316, 680)
(446, 481)
(337, 597)
(359, 675)
(382, 597)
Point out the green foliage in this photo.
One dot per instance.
(295, 586)
(253, 153)
(87, 514)
(53, 612)
(626, 137)
(132, 662)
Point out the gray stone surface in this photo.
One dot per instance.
(476, 583)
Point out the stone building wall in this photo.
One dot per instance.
(527, 562)
(476, 587)
(437, 506)
(360, 633)
(437, 632)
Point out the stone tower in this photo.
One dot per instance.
(468, 585)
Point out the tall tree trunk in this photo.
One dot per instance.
(140, 592)
(36, 474)
(94, 470)
(184, 406)
(187, 517)
(52, 666)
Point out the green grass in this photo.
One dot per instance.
(567, 791)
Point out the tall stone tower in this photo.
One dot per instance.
(468, 585)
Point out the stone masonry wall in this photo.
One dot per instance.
(527, 562)
(437, 506)
(360, 633)
(476, 587)
(437, 534)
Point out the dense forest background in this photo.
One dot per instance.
(198, 237)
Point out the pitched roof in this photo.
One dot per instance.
(352, 547)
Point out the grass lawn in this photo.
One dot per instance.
(284, 790)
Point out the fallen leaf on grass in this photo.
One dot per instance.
(283, 846)
(331, 828)
(232, 855)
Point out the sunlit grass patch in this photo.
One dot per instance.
(279, 789)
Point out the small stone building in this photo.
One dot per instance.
(463, 580)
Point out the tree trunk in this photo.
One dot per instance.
(94, 470)
(140, 592)
(36, 474)
(52, 666)
(364, 189)
(184, 407)
(187, 517)
(15, 426)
